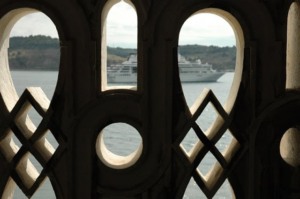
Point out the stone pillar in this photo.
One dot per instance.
(288, 146)
(293, 48)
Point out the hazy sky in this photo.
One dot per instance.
(202, 29)
(34, 24)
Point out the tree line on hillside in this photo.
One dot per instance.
(39, 42)
(42, 53)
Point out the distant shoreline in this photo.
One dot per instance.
(43, 53)
(25, 70)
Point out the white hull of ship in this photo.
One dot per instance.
(189, 71)
(132, 78)
(207, 77)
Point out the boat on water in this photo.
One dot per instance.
(197, 71)
(126, 72)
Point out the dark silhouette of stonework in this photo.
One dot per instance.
(262, 112)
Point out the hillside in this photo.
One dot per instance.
(222, 58)
(33, 53)
(42, 53)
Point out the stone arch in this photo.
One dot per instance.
(79, 101)
(17, 107)
(104, 57)
(7, 22)
(210, 185)
(240, 45)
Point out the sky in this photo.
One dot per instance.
(202, 29)
(34, 24)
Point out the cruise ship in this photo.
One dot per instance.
(189, 71)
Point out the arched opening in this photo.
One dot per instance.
(210, 62)
(119, 60)
(211, 46)
(29, 62)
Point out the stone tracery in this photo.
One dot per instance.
(79, 109)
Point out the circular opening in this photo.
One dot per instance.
(290, 148)
(119, 145)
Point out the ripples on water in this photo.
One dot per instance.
(47, 80)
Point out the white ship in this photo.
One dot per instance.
(197, 71)
(189, 71)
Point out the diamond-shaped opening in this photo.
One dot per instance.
(35, 163)
(225, 191)
(45, 189)
(207, 118)
(46, 145)
(228, 145)
(207, 164)
(49, 136)
(35, 117)
(16, 140)
(12, 190)
(191, 145)
(28, 170)
(224, 142)
(18, 193)
(189, 141)
(10, 145)
(27, 120)
(193, 191)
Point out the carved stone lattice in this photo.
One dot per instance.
(264, 102)
(28, 153)
(206, 145)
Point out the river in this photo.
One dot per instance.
(47, 81)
